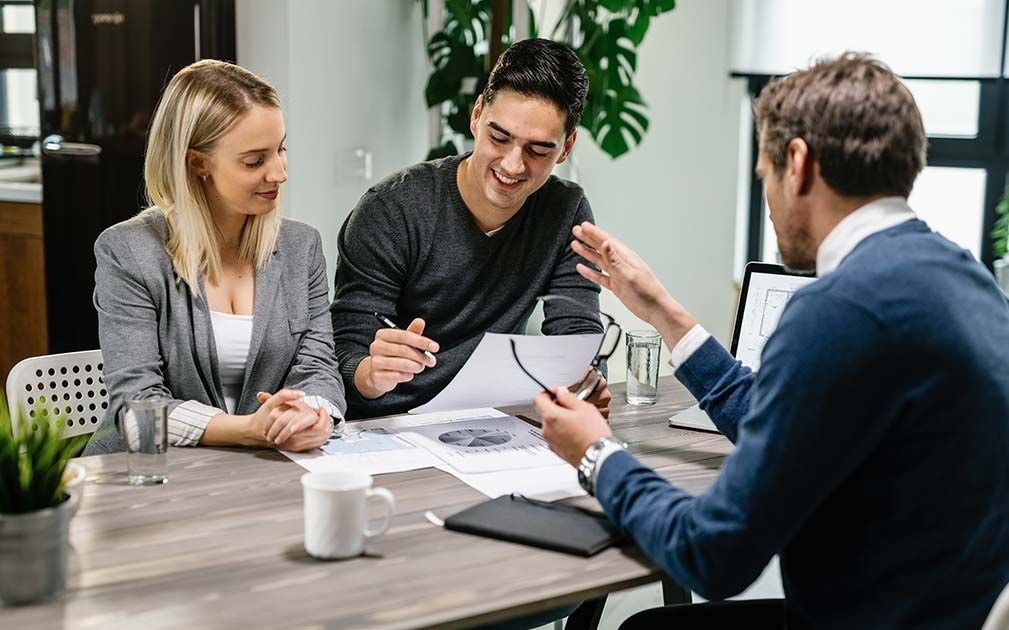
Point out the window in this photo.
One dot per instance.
(953, 57)
(19, 110)
(968, 164)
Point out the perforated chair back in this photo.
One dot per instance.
(998, 617)
(66, 387)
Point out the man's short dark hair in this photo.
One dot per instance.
(543, 69)
(858, 119)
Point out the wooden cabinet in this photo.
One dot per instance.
(22, 285)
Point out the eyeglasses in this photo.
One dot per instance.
(607, 346)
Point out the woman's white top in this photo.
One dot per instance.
(232, 335)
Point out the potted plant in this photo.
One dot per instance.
(1000, 242)
(605, 34)
(35, 508)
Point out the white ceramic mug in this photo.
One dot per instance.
(336, 513)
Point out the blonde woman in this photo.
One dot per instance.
(209, 298)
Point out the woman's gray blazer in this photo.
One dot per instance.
(157, 338)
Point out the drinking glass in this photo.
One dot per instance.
(145, 429)
(643, 350)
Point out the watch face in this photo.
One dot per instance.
(584, 481)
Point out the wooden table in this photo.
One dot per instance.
(220, 545)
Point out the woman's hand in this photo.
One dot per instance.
(293, 425)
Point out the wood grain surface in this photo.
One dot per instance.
(220, 545)
(22, 285)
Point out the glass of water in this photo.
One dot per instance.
(145, 429)
(643, 349)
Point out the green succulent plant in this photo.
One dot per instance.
(32, 461)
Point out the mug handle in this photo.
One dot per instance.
(390, 504)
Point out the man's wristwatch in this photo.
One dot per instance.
(587, 466)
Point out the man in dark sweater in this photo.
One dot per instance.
(454, 248)
(872, 448)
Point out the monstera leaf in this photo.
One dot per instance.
(468, 21)
(1000, 233)
(453, 63)
(619, 123)
(605, 34)
(614, 108)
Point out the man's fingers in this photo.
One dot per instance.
(380, 348)
(590, 234)
(391, 377)
(543, 405)
(564, 397)
(417, 326)
(611, 254)
(593, 276)
(590, 255)
(396, 364)
(407, 338)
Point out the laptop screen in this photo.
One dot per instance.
(766, 289)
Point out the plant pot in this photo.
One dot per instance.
(33, 554)
(1002, 274)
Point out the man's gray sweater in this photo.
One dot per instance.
(412, 249)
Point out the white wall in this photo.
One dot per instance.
(351, 74)
(673, 198)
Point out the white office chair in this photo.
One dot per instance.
(998, 617)
(66, 387)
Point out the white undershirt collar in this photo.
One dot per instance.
(862, 223)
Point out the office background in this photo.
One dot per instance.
(352, 74)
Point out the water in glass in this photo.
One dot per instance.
(643, 348)
(145, 429)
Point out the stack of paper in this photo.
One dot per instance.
(494, 453)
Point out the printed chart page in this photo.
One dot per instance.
(376, 446)
(488, 444)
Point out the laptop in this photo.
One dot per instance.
(766, 290)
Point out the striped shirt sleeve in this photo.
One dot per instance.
(187, 422)
(318, 402)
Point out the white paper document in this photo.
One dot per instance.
(548, 483)
(484, 448)
(481, 445)
(375, 446)
(491, 378)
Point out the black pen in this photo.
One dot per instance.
(388, 324)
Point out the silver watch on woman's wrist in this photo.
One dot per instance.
(587, 466)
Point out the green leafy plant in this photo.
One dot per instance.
(605, 34)
(1000, 233)
(32, 462)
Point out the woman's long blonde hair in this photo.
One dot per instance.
(202, 103)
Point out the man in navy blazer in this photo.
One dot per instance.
(872, 449)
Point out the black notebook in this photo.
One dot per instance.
(537, 523)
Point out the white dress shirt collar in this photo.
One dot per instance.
(871, 218)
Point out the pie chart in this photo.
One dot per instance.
(474, 438)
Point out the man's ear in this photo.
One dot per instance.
(474, 117)
(197, 162)
(569, 143)
(799, 169)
